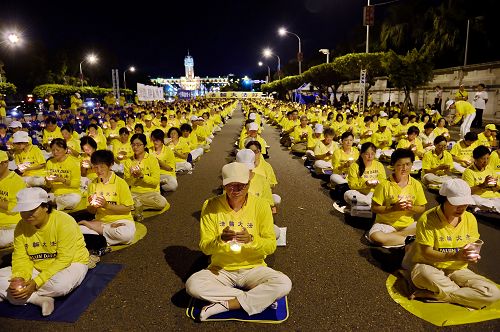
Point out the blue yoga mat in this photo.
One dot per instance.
(67, 308)
(274, 314)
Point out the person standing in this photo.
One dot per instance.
(479, 103)
(438, 100)
(462, 94)
(464, 110)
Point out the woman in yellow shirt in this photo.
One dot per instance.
(343, 158)
(363, 176)
(72, 143)
(100, 139)
(121, 150)
(50, 258)
(142, 173)
(323, 151)
(166, 160)
(63, 176)
(441, 129)
(88, 146)
(29, 160)
(111, 201)
(181, 150)
(396, 201)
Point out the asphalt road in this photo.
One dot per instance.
(338, 281)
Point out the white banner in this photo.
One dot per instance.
(234, 94)
(149, 93)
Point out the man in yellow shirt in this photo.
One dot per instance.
(50, 132)
(487, 138)
(396, 201)
(437, 164)
(462, 151)
(10, 185)
(464, 110)
(461, 93)
(29, 160)
(237, 232)
(446, 238)
(50, 258)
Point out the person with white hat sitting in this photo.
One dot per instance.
(29, 160)
(49, 259)
(447, 240)
(236, 230)
(252, 135)
(10, 185)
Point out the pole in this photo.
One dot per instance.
(279, 66)
(328, 57)
(81, 74)
(268, 74)
(466, 43)
(300, 56)
(367, 33)
(124, 81)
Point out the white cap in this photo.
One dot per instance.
(193, 118)
(77, 94)
(30, 198)
(382, 114)
(457, 192)
(253, 126)
(247, 157)
(252, 116)
(200, 118)
(449, 103)
(20, 137)
(235, 172)
(15, 124)
(318, 128)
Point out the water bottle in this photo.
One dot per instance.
(354, 201)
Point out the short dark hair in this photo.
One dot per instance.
(413, 130)
(400, 154)
(439, 139)
(158, 134)
(140, 137)
(346, 134)
(328, 131)
(254, 143)
(67, 127)
(123, 130)
(480, 151)
(470, 136)
(174, 129)
(88, 140)
(186, 127)
(92, 125)
(429, 125)
(102, 157)
(60, 142)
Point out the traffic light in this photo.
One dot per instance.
(368, 15)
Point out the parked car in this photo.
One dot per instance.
(91, 103)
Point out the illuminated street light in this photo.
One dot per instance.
(327, 52)
(268, 53)
(131, 69)
(282, 32)
(268, 78)
(91, 58)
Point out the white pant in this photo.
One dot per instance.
(168, 182)
(492, 203)
(322, 164)
(361, 198)
(417, 166)
(34, 181)
(7, 235)
(123, 234)
(59, 284)
(68, 201)
(458, 167)
(387, 153)
(196, 153)
(264, 285)
(337, 179)
(465, 127)
(183, 166)
(310, 154)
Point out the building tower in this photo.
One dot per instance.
(189, 66)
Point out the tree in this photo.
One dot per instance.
(7, 88)
(406, 72)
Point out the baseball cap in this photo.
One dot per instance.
(253, 126)
(491, 126)
(247, 157)
(193, 118)
(20, 137)
(383, 114)
(318, 128)
(30, 198)
(449, 103)
(252, 116)
(15, 124)
(148, 118)
(457, 191)
(382, 123)
(3, 156)
(235, 172)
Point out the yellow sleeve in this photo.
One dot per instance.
(210, 240)
(424, 235)
(381, 176)
(468, 176)
(22, 265)
(448, 159)
(75, 173)
(455, 150)
(264, 242)
(353, 179)
(379, 194)
(419, 194)
(38, 156)
(68, 233)
(126, 172)
(154, 177)
(426, 161)
(124, 194)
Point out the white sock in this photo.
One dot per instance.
(213, 309)
(45, 302)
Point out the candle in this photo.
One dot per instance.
(235, 246)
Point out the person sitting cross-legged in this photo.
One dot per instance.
(437, 164)
(237, 232)
(396, 201)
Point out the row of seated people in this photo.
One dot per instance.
(436, 263)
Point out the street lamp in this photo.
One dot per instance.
(327, 52)
(282, 32)
(268, 71)
(131, 69)
(91, 58)
(267, 53)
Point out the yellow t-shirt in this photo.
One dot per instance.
(182, 147)
(74, 144)
(116, 192)
(265, 169)
(9, 187)
(260, 187)
(494, 162)
(35, 157)
(166, 156)
(378, 138)
(356, 182)
(474, 177)
(406, 144)
(388, 192)
(150, 171)
(69, 169)
(441, 131)
(431, 160)
(255, 216)
(483, 140)
(463, 153)
(48, 136)
(299, 131)
(245, 139)
(119, 147)
(321, 149)
(463, 108)
(340, 157)
(434, 231)
(49, 249)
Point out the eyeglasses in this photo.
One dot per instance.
(235, 187)
(137, 144)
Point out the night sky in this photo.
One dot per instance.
(223, 36)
